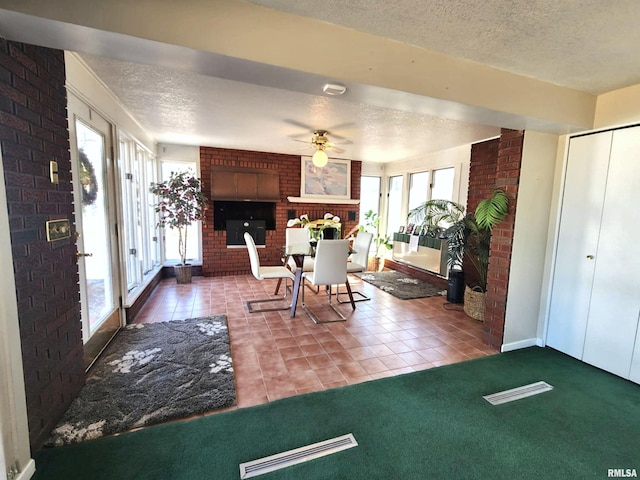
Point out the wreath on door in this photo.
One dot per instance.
(88, 180)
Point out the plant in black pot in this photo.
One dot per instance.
(468, 237)
(180, 203)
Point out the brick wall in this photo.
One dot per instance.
(508, 165)
(33, 131)
(218, 260)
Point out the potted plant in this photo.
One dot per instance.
(468, 237)
(180, 203)
(381, 242)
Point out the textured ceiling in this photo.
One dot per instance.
(186, 108)
(588, 45)
(231, 96)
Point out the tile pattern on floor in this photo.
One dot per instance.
(277, 356)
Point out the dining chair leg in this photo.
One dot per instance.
(315, 319)
(265, 300)
(353, 303)
(363, 297)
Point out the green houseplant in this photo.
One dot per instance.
(180, 203)
(468, 236)
(382, 242)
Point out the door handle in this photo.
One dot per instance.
(78, 254)
(589, 257)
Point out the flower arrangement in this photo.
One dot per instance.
(315, 227)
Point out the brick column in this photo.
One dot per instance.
(33, 131)
(507, 179)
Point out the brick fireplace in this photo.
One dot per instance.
(218, 259)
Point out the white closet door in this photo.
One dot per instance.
(615, 299)
(584, 190)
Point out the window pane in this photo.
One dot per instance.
(418, 189)
(369, 195)
(171, 234)
(394, 217)
(442, 188)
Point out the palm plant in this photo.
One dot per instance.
(468, 236)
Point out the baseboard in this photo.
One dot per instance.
(28, 471)
(529, 342)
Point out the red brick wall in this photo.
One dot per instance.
(482, 176)
(218, 260)
(507, 179)
(33, 131)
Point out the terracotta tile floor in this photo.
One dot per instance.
(277, 356)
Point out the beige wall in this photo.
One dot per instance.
(620, 107)
(535, 196)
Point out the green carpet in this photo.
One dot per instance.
(432, 424)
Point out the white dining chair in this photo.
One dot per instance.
(264, 273)
(330, 268)
(359, 262)
(295, 236)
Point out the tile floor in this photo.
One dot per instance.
(277, 356)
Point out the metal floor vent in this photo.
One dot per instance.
(517, 393)
(299, 455)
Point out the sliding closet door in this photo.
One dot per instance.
(615, 300)
(584, 191)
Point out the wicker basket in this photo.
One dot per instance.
(474, 303)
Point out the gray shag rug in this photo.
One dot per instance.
(151, 373)
(401, 285)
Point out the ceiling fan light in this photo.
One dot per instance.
(320, 158)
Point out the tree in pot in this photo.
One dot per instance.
(381, 242)
(468, 237)
(180, 203)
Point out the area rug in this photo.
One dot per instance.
(152, 373)
(401, 285)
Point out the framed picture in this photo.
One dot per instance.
(401, 229)
(333, 181)
(410, 228)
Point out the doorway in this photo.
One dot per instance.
(93, 168)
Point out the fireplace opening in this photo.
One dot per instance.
(223, 211)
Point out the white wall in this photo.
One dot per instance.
(178, 153)
(527, 277)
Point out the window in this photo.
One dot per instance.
(369, 195)
(394, 207)
(171, 234)
(442, 187)
(418, 189)
(140, 243)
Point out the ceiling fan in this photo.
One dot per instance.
(320, 141)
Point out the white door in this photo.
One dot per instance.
(615, 301)
(584, 191)
(93, 183)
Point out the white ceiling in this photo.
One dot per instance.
(200, 98)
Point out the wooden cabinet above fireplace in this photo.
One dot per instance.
(244, 184)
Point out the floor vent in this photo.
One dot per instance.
(517, 393)
(299, 455)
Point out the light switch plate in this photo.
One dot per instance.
(58, 230)
(53, 171)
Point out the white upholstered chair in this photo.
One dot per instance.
(330, 268)
(264, 273)
(359, 262)
(295, 236)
